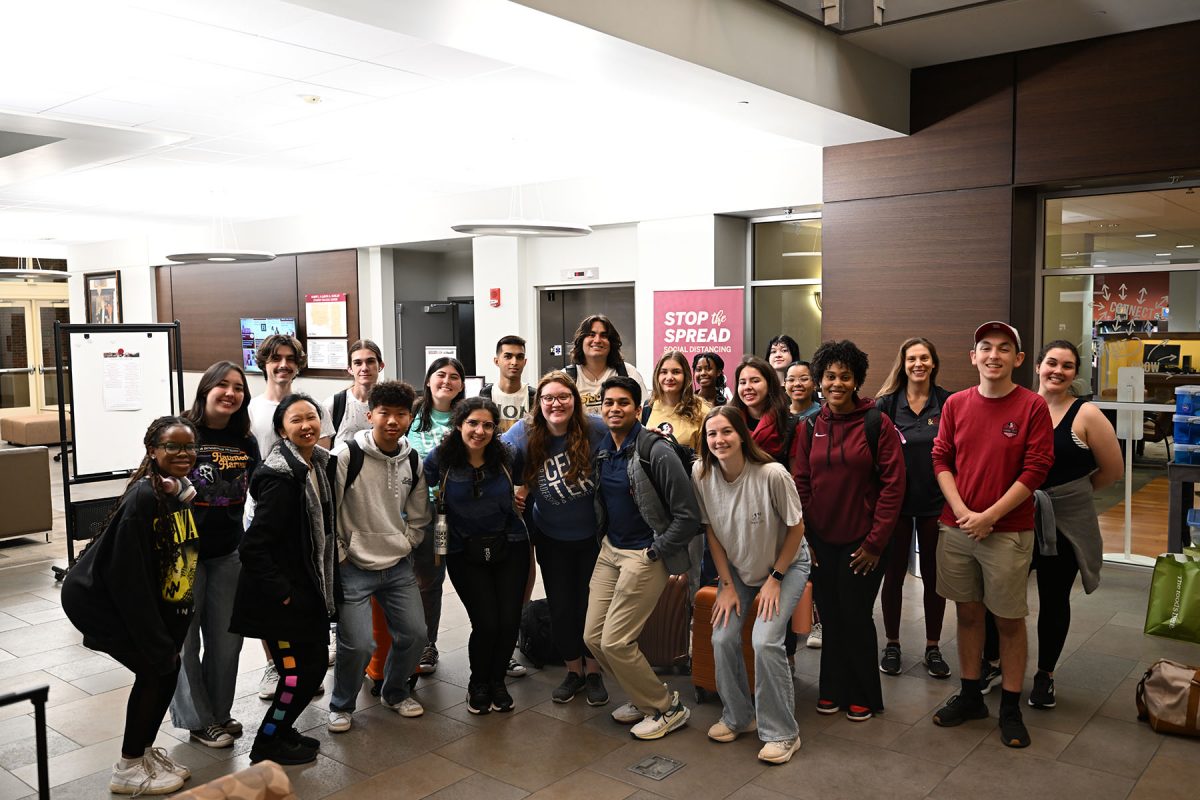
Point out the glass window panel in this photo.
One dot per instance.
(789, 250)
(14, 390)
(794, 310)
(1123, 230)
(14, 345)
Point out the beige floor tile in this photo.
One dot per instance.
(8, 622)
(1120, 704)
(585, 785)
(83, 667)
(1168, 779)
(104, 681)
(1008, 774)
(907, 699)
(409, 781)
(92, 719)
(61, 693)
(831, 767)
(12, 787)
(40, 638)
(98, 757)
(19, 753)
(12, 667)
(1109, 745)
(479, 786)
(381, 738)
(1183, 748)
(1044, 742)
(947, 746)
(878, 731)
(528, 750)
(752, 792)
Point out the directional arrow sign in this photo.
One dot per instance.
(1121, 291)
(1104, 291)
(1142, 295)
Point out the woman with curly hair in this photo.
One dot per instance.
(487, 546)
(849, 471)
(130, 595)
(555, 443)
(764, 406)
(709, 369)
(674, 407)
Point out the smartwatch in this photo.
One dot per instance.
(651, 553)
(776, 574)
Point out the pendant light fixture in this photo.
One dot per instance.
(225, 248)
(517, 224)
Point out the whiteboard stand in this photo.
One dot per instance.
(120, 378)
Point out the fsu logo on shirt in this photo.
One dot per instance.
(1010, 430)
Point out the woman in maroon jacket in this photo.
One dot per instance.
(759, 396)
(849, 470)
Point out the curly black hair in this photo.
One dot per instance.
(395, 394)
(845, 353)
(452, 452)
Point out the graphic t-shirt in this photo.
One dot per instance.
(221, 477)
(426, 441)
(686, 431)
(512, 406)
(562, 510)
(353, 420)
(181, 575)
(589, 390)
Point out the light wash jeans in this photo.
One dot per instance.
(396, 590)
(204, 693)
(774, 693)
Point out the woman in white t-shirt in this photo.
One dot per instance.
(756, 537)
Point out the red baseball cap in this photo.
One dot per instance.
(998, 326)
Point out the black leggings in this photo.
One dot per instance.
(1055, 579)
(566, 572)
(301, 667)
(149, 700)
(897, 570)
(492, 595)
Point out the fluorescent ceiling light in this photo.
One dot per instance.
(520, 227)
(1144, 235)
(802, 253)
(1183, 246)
(1162, 254)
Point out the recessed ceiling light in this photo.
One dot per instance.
(1144, 235)
(1162, 254)
(798, 253)
(311, 99)
(1183, 246)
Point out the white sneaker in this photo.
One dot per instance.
(408, 707)
(779, 752)
(270, 679)
(627, 714)
(720, 732)
(164, 759)
(516, 669)
(814, 637)
(339, 721)
(663, 722)
(143, 776)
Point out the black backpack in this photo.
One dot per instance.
(572, 371)
(357, 457)
(871, 425)
(339, 410)
(645, 442)
(486, 392)
(534, 638)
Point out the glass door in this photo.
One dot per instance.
(18, 391)
(49, 312)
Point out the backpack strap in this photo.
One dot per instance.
(644, 446)
(532, 396)
(572, 371)
(355, 465)
(339, 410)
(789, 436)
(486, 391)
(413, 465)
(872, 422)
(624, 373)
(646, 409)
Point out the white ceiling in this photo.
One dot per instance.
(400, 117)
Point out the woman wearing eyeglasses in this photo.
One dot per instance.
(487, 546)
(130, 595)
(556, 443)
(285, 594)
(227, 458)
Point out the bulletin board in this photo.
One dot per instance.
(120, 380)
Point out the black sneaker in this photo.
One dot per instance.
(429, 660)
(479, 698)
(572, 685)
(293, 735)
(212, 736)
(935, 665)
(597, 695)
(890, 663)
(281, 750)
(501, 700)
(958, 710)
(375, 687)
(1042, 695)
(1012, 728)
(989, 673)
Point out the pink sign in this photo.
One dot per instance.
(698, 320)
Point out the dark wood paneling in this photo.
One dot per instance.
(934, 265)
(1021, 308)
(325, 273)
(1123, 105)
(210, 300)
(961, 137)
(162, 294)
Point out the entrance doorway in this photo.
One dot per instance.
(28, 375)
(561, 310)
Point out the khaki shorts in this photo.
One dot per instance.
(994, 571)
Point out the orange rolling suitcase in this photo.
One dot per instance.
(704, 671)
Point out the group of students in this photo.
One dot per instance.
(585, 472)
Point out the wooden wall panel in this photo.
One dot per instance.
(324, 273)
(1123, 105)
(210, 299)
(162, 294)
(961, 137)
(934, 265)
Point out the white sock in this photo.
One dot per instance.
(126, 763)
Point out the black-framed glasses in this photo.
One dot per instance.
(175, 448)
(560, 399)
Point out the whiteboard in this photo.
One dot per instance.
(120, 383)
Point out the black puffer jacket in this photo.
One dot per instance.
(280, 557)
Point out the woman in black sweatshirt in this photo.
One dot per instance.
(285, 593)
(130, 595)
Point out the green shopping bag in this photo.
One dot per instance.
(1173, 611)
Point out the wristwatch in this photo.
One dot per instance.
(776, 574)
(651, 553)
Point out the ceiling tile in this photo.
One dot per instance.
(373, 79)
(345, 37)
(112, 111)
(443, 63)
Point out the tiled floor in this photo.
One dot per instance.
(1090, 746)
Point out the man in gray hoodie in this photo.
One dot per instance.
(382, 504)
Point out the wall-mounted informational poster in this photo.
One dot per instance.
(699, 320)
(255, 330)
(434, 352)
(325, 317)
(327, 354)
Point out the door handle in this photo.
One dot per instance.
(25, 370)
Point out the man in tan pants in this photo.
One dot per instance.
(647, 514)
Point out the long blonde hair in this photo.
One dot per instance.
(689, 406)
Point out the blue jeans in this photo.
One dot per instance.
(204, 693)
(396, 590)
(774, 693)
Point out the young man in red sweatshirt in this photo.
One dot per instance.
(994, 447)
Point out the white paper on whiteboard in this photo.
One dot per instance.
(123, 381)
(434, 352)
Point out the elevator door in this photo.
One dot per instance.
(561, 310)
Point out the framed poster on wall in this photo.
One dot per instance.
(102, 292)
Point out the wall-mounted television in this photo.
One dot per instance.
(255, 330)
